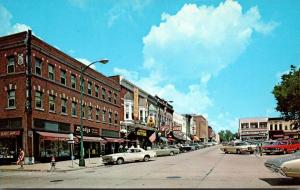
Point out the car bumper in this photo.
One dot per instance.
(275, 169)
(272, 151)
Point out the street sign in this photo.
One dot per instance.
(71, 141)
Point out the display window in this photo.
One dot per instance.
(55, 147)
(8, 148)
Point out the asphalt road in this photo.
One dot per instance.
(205, 168)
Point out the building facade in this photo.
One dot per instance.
(278, 128)
(201, 127)
(253, 128)
(40, 105)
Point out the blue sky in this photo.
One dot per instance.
(217, 58)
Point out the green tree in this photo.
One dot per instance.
(227, 135)
(287, 95)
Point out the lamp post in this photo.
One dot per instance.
(103, 61)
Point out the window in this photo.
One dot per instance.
(38, 66)
(83, 111)
(116, 118)
(109, 96)
(51, 103)
(110, 117)
(97, 91)
(11, 65)
(271, 127)
(97, 114)
(115, 98)
(74, 109)
(90, 112)
(141, 115)
(51, 75)
(63, 106)
(73, 81)
(11, 99)
(104, 116)
(127, 111)
(89, 88)
(286, 127)
(63, 75)
(82, 85)
(38, 100)
(103, 93)
(275, 127)
(280, 126)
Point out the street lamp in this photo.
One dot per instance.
(103, 61)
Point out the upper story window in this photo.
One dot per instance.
(115, 98)
(103, 93)
(110, 117)
(127, 111)
(97, 114)
(38, 66)
(280, 126)
(51, 103)
(73, 81)
(82, 85)
(51, 73)
(97, 91)
(38, 100)
(90, 116)
(74, 109)
(275, 127)
(116, 118)
(141, 115)
(286, 127)
(63, 106)
(109, 96)
(11, 99)
(271, 127)
(104, 116)
(10, 65)
(63, 75)
(83, 111)
(89, 88)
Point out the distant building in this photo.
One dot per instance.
(201, 127)
(281, 129)
(253, 128)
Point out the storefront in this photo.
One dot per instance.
(51, 139)
(91, 142)
(113, 141)
(10, 142)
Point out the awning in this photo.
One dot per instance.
(115, 140)
(163, 139)
(92, 139)
(195, 138)
(52, 136)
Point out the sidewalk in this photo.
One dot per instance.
(61, 166)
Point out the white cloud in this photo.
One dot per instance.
(224, 122)
(129, 75)
(86, 62)
(6, 26)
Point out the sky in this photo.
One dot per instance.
(220, 59)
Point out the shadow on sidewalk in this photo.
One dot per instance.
(283, 181)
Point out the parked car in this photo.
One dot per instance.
(166, 151)
(283, 147)
(198, 146)
(186, 148)
(238, 147)
(132, 154)
(288, 166)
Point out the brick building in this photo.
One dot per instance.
(40, 104)
(201, 127)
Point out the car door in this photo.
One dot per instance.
(130, 155)
(139, 155)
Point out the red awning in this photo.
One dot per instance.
(52, 136)
(115, 140)
(92, 139)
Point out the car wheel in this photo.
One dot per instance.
(146, 158)
(251, 152)
(171, 153)
(238, 151)
(268, 153)
(120, 161)
(225, 151)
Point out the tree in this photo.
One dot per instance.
(287, 95)
(227, 135)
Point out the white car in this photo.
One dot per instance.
(132, 154)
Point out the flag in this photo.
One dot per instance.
(152, 137)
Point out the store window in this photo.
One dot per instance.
(63, 75)
(73, 81)
(74, 109)
(64, 106)
(38, 66)
(51, 103)
(10, 65)
(51, 73)
(38, 100)
(11, 99)
(54, 147)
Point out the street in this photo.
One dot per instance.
(205, 168)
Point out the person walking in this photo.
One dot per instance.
(52, 163)
(21, 158)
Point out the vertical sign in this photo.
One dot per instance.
(135, 103)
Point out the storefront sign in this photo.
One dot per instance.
(9, 133)
(141, 132)
(87, 130)
(110, 133)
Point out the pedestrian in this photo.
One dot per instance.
(21, 158)
(52, 163)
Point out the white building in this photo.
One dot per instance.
(253, 128)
